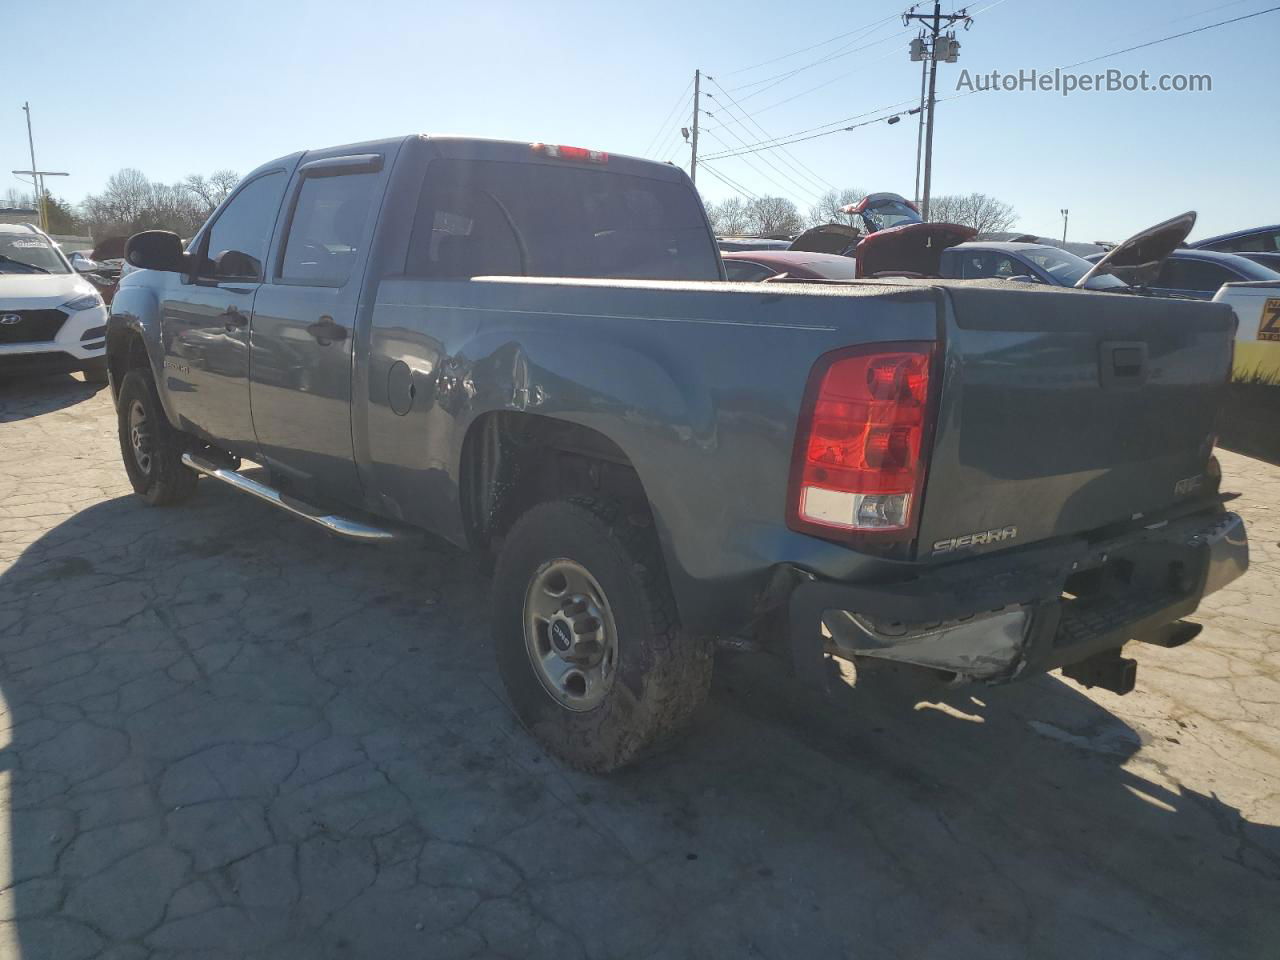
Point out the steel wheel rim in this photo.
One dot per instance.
(140, 436)
(570, 635)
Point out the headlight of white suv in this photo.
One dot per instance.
(87, 302)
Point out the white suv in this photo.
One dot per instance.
(52, 320)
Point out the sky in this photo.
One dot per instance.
(179, 88)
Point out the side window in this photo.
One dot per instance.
(1007, 266)
(1180, 274)
(1206, 277)
(327, 229)
(237, 241)
(745, 270)
(975, 264)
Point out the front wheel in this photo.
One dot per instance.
(587, 639)
(151, 448)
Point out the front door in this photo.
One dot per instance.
(303, 326)
(206, 317)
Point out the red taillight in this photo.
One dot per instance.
(859, 457)
(580, 154)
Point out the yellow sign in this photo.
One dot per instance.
(1269, 325)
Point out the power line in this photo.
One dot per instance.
(670, 113)
(854, 126)
(730, 182)
(764, 174)
(1176, 36)
(798, 135)
(804, 170)
(783, 77)
(836, 78)
(793, 53)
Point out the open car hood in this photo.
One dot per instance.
(828, 238)
(1138, 259)
(913, 248)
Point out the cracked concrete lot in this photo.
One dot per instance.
(225, 735)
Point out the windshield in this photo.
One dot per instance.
(888, 213)
(1067, 269)
(29, 253)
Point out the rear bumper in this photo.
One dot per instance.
(1001, 617)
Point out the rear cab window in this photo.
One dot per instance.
(494, 217)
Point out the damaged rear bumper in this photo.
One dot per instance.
(1004, 616)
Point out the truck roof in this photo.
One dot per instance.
(483, 148)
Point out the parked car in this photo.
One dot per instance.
(887, 238)
(1253, 240)
(1269, 260)
(526, 348)
(787, 264)
(1034, 262)
(1257, 305)
(1197, 274)
(752, 243)
(103, 274)
(52, 320)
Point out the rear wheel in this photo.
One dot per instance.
(588, 643)
(151, 448)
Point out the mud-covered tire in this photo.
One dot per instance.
(661, 675)
(157, 476)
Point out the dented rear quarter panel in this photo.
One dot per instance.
(699, 384)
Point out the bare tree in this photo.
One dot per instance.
(211, 190)
(14, 198)
(984, 213)
(828, 207)
(130, 202)
(773, 216)
(728, 217)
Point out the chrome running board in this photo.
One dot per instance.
(342, 526)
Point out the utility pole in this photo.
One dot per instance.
(37, 175)
(936, 48)
(1064, 213)
(697, 94)
(36, 180)
(924, 73)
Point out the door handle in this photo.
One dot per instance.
(326, 330)
(1123, 364)
(234, 320)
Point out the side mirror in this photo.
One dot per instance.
(155, 250)
(84, 265)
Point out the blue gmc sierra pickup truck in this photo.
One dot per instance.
(531, 349)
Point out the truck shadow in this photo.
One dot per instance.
(25, 397)
(227, 731)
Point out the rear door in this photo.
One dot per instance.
(303, 322)
(1065, 411)
(206, 316)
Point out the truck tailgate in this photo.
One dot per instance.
(1063, 411)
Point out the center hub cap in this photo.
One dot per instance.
(561, 635)
(570, 634)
